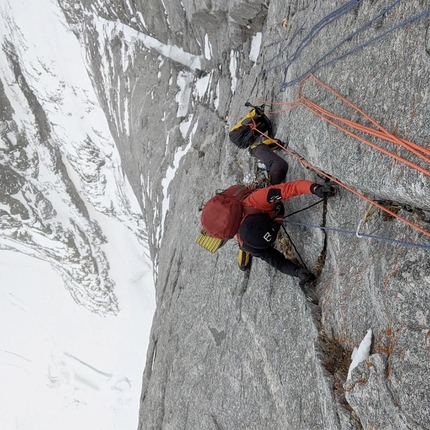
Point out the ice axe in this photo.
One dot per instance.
(259, 109)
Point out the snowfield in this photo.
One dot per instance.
(62, 366)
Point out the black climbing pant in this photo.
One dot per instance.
(276, 165)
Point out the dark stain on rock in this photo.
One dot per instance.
(219, 336)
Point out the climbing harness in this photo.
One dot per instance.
(341, 124)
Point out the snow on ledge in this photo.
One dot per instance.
(360, 354)
(255, 47)
(131, 36)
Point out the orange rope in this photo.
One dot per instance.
(367, 142)
(381, 133)
(331, 178)
(412, 147)
(356, 108)
(419, 151)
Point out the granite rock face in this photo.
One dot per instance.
(227, 352)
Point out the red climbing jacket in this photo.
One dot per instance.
(265, 199)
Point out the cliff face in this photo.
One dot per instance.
(227, 352)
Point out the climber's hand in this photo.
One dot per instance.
(323, 191)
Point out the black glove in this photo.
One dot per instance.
(322, 191)
(305, 276)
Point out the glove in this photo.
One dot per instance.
(305, 276)
(323, 191)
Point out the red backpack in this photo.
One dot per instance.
(222, 214)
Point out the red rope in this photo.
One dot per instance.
(381, 133)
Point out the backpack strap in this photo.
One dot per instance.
(249, 210)
(238, 192)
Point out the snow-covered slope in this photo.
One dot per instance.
(71, 232)
(59, 158)
(62, 366)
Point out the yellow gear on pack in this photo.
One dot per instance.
(244, 119)
(212, 244)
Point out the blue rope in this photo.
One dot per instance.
(318, 66)
(353, 233)
(368, 24)
(328, 19)
(324, 22)
(283, 49)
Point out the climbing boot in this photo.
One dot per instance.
(273, 144)
(307, 281)
(306, 277)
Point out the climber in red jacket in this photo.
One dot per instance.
(258, 230)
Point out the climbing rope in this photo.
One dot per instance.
(381, 132)
(313, 32)
(304, 209)
(289, 237)
(350, 189)
(298, 31)
(318, 66)
(294, 247)
(331, 17)
(324, 60)
(360, 235)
